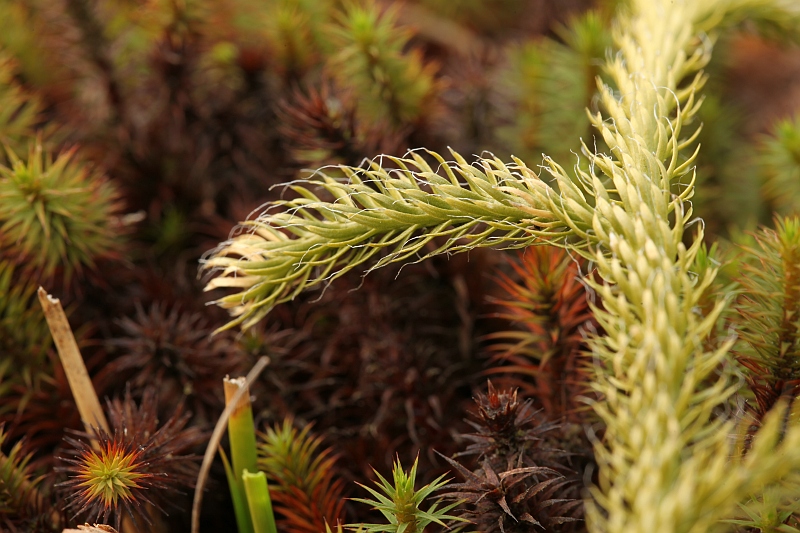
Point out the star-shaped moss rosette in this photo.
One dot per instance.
(506, 429)
(514, 500)
(129, 470)
(400, 502)
(105, 481)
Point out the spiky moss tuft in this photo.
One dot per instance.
(546, 355)
(174, 348)
(505, 427)
(553, 82)
(307, 494)
(108, 481)
(522, 482)
(515, 500)
(57, 213)
(19, 111)
(24, 336)
(21, 501)
(767, 319)
(320, 126)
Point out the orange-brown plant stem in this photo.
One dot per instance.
(74, 368)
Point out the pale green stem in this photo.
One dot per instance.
(242, 435)
(259, 502)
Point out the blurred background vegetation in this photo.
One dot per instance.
(137, 133)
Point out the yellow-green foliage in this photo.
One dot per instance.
(372, 60)
(294, 31)
(771, 512)
(21, 27)
(379, 211)
(19, 111)
(552, 83)
(18, 493)
(24, 336)
(726, 174)
(399, 502)
(779, 164)
(297, 32)
(292, 457)
(304, 486)
(767, 321)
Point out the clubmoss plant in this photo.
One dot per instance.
(195, 109)
(311, 241)
(660, 387)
